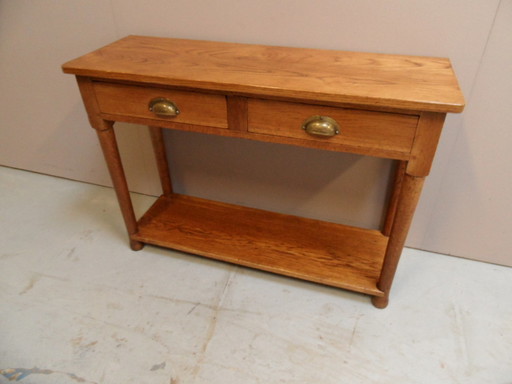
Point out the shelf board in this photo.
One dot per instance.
(327, 253)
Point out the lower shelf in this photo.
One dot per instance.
(313, 250)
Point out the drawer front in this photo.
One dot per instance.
(372, 131)
(133, 101)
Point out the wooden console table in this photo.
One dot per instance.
(379, 105)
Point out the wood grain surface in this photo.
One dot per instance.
(128, 100)
(394, 81)
(377, 131)
(327, 253)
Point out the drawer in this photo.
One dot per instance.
(369, 131)
(195, 108)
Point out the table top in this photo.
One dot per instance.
(375, 80)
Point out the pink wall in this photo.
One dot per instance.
(466, 207)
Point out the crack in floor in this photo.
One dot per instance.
(213, 323)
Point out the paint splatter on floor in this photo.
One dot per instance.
(17, 374)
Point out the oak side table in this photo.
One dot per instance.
(387, 106)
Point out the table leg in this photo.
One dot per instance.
(157, 139)
(406, 205)
(113, 159)
(395, 194)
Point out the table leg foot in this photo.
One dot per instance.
(380, 301)
(136, 245)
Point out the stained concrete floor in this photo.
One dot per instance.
(77, 305)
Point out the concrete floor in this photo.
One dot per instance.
(77, 305)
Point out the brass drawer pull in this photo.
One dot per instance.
(163, 107)
(321, 126)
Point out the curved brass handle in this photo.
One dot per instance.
(163, 107)
(321, 126)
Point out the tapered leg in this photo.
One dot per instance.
(111, 152)
(406, 205)
(161, 159)
(395, 195)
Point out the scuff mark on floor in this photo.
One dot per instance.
(81, 349)
(33, 280)
(196, 305)
(17, 374)
(192, 309)
(58, 278)
(87, 235)
(156, 367)
(354, 330)
(460, 334)
(38, 276)
(172, 300)
(71, 254)
(10, 254)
